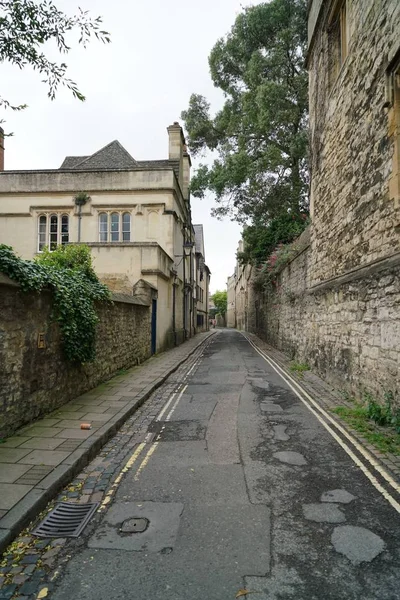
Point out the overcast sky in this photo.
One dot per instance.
(135, 87)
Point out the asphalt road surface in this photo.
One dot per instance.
(238, 486)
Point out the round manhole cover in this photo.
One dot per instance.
(135, 525)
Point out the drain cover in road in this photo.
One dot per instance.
(119, 529)
(66, 520)
(134, 525)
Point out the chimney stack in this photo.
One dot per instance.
(1, 149)
(176, 143)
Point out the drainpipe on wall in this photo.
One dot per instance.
(184, 288)
(80, 200)
(174, 308)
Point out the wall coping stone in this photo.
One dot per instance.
(115, 297)
(360, 272)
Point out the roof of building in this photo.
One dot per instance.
(71, 161)
(199, 239)
(114, 156)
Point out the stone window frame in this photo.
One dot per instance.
(392, 102)
(338, 31)
(115, 230)
(56, 230)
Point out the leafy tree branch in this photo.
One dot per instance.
(26, 26)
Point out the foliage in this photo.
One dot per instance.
(299, 368)
(260, 134)
(220, 300)
(386, 439)
(267, 274)
(76, 257)
(260, 240)
(26, 26)
(81, 198)
(69, 274)
(383, 414)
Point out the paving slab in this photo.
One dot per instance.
(14, 442)
(37, 443)
(38, 431)
(66, 414)
(45, 457)
(75, 434)
(10, 473)
(42, 457)
(12, 455)
(11, 494)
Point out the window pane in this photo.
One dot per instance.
(114, 227)
(103, 227)
(126, 227)
(53, 223)
(53, 234)
(42, 233)
(64, 229)
(42, 224)
(64, 224)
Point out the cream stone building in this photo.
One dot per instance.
(240, 294)
(202, 282)
(134, 215)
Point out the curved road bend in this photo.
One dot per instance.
(238, 487)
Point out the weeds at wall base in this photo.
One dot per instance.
(378, 423)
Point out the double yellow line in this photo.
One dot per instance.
(135, 456)
(328, 421)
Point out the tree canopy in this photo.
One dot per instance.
(26, 26)
(220, 300)
(260, 134)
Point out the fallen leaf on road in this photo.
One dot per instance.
(43, 593)
(244, 592)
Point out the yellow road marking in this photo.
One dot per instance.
(155, 444)
(146, 460)
(345, 447)
(141, 446)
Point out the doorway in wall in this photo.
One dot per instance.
(153, 326)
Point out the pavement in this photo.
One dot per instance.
(223, 484)
(40, 458)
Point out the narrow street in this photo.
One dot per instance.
(236, 486)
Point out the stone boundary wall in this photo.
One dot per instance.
(35, 381)
(347, 328)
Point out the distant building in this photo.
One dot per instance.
(202, 282)
(136, 220)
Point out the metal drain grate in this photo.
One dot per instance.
(66, 520)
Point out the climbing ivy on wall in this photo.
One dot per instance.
(68, 273)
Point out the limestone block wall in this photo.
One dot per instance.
(355, 206)
(347, 329)
(35, 381)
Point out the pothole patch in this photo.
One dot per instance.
(280, 433)
(357, 543)
(291, 458)
(323, 513)
(270, 407)
(337, 496)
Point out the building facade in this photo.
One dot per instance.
(353, 61)
(202, 281)
(134, 215)
(240, 295)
